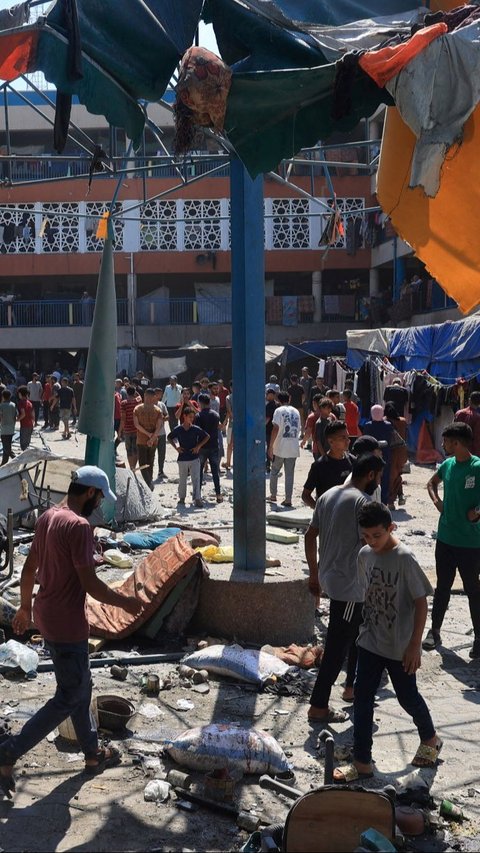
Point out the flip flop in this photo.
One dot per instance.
(7, 784)
(351, 774)
(110, 756)
(427, 756)
(331, 717)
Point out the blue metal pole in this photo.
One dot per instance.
(248, 361)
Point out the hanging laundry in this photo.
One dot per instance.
(334, 230)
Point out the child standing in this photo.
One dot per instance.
(188, 439)
(390, 638)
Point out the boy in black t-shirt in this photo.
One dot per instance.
(333, 468)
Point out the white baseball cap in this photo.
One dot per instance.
(90, 475)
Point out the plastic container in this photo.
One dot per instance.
(66, 730)
(114, 712)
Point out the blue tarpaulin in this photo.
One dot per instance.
(411, 349)
(447, 351)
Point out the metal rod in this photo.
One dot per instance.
(10, 542)
(50, 103)
(7, 133)
(47, 119)
(97, 663)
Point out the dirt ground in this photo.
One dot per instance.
(57, 809)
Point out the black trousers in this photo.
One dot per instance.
(161, 448)
(342, 633)
(6, 448)
(449, 558)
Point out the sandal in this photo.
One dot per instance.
(427, 756)
(350, 774)
(107, 757)
(331, 717)
(7, 784)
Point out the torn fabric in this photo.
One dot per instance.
(387, 62)
(442, 230)
(435, 95)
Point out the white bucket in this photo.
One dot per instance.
(66, 729)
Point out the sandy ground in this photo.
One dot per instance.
(57, 809)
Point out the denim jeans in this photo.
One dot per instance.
(289, 465)
(212, 457)
(72, 699)
(369, 672)
(449, 558)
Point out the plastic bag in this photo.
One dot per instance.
(216, 554)
(243, 664)
(156, 791)
(14, 654)
(210, 747)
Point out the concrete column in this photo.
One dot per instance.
(317, 295)
(374, 282)
(132, 308)
(248, 353)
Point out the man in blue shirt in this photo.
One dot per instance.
(188, 439)
(209, 421)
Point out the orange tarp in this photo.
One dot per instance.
(17, 54)
(385, 63)
(443, 230)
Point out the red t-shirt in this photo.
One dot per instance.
(472, 418)
(222, 396)
(27, 407)
(117, 400)
(192, 403)
(63, 544)
(310, 426)
(127, 406)
(351, 417)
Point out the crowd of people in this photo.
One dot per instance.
(377, 590)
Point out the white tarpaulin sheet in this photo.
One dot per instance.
(370, 340)
(164, 367)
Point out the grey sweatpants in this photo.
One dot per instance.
(289, 465)
(184, 469)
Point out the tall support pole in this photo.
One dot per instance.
(248, 360)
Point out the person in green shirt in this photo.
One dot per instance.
(458, 536)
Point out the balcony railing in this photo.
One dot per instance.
(209, 311)
(165, 225)
(54, 313)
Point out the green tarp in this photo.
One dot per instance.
(271, 115)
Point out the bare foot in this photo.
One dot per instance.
(348, 694)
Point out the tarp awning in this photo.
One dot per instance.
(129, 53)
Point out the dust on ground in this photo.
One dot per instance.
(57, 809)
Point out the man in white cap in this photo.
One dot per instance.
(61, 561)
